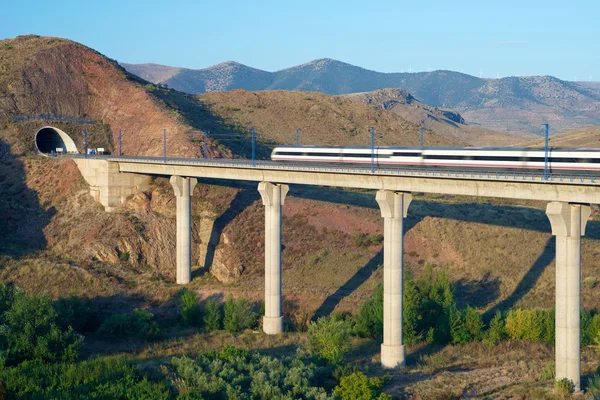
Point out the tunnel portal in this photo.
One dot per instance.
(49, 139)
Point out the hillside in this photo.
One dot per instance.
(44, 75)
(589, 84)
(509, 104)
(583, 138)
(322, 119)
(445, 122)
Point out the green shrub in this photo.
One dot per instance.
(358, 386)
(239, 314)
(474, 324)
(139, 324)
(124, 256)
(426, 306)
(427, 303)
(590, 327)
(329, 338)
(212, 315)
(593, 387)
(369, 320)
(530, 325)
(238, 374)
(458, 328)
(30, 332)
(74, 312)
(7, 296)
(93, 379)
(564, 388)
(189, 309)
(496, 332)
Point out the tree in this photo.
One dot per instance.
(474, 324)
(212, 315)
(358, 386)
(30, 332)
(189, 309)
(329, 338)
(496, 333)
(458, 329)
(239, 314)
(369, 321)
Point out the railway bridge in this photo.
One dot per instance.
(111, 179)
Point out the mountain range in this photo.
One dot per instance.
(507, 104)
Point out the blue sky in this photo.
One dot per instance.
(499, 38)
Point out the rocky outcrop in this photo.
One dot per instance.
(226, 266)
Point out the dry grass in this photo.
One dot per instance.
(323, 119)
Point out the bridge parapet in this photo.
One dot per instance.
(108, 186)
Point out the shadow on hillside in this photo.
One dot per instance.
(479, 293)
(243, 199)
(360, 277)
(528, 281)
(22, 217)
(199, 115)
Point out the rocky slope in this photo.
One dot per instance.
(513, 103)
(43, 75)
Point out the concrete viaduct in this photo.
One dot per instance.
(112, 179)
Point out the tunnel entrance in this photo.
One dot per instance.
(49, 139)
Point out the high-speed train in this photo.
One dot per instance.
(446, 157)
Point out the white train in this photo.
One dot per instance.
(498, 158)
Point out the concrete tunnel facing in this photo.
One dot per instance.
(49, 139)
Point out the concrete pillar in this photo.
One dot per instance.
(184, 188)
(394, 206)
(273, 196)
(568, 225)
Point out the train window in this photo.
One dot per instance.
(398, 154)
(357, 155)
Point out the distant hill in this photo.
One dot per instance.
(581, 138)
(444, 122)
(510, 104)
(589, 84)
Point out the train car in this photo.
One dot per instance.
(496, 158)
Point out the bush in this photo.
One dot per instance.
(369, 320)
(593, 387)
(564, 388)
(189, 309)
(474, 324)
(358, 386)
(139, 324)
(7, 296)
(458, 329)
(590, 327)
(74, 312)
(427, 302)
(30, 332)
(329, 338)
(530, 325)
(239, 314)
(496, 333)
(212, 315)
(92, 379)
(238, 374)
